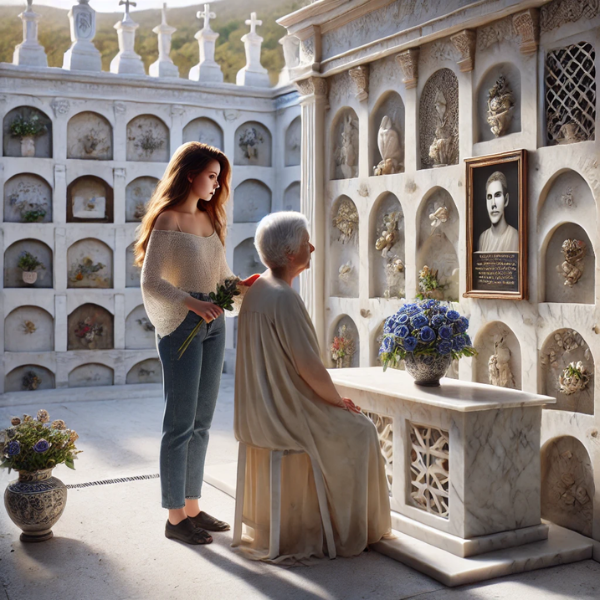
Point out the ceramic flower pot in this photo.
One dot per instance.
(30, 276)
(28, 146)
(427, 369)
(34, 503)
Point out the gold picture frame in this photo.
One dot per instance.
(497, 226)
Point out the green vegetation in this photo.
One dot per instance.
(29, 262)
(24, 127)
(54, 34)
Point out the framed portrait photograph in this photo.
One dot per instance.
(497, 226)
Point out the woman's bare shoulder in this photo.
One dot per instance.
(167, 221)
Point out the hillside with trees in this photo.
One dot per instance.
(231, 15)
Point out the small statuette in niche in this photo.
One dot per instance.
(439, 216)
(501, 104)
(145, 324)
(342, 348)
(569, 134)
(28, 327)
(565, 341)
(441, 150)
(30, 381)
(390, 148)
(429, 286)
(574, 378)
(346, 220)
(498, 365)
(572, 268)
(345, 272)
(393, 269)
(346, 153)
(249, 141)
(389, 235)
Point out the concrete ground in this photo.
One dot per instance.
(110, 543)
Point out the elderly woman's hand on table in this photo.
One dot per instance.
(348, 405)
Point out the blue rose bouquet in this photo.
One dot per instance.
(426, 327)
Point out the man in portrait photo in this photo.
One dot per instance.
(500, 237)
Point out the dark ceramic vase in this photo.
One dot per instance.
(34, 503)
(427, 369)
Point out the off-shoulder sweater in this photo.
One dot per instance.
(177, 263)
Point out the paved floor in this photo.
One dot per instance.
(109, 544)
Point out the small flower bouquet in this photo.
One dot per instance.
(34, 444)
(423, 332)
(223, 297)
(342, 347)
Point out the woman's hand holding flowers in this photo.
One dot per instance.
(207, 310)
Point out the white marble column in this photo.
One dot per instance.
(164, 66)
(59, 259)
(291, 55)
(120, 259)
(119, 196)
(60, 323)
(82, 55)
(119, 322)
(127, 61)
(207, 70)
(177, 114)
(30, 52)
(312, 202)
(59, 197)
(253, 73)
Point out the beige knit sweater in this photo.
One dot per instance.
(175, 264)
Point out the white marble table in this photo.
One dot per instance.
(463, 458)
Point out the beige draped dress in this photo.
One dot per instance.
(275, 408)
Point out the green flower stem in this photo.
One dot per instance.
(188, 339)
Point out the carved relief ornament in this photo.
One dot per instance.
(60, 106)
(314, 86)
(360, 77)
(559, 12)
(464, 42)
(526, 24)
(409, 63)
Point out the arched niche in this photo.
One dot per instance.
(137, 195)
(204, 130)
(90, 327)
(570, 263)
(252, 145)
(438, 120)
(291, 197)
(147, 139)
(343, 248)
(246, 261)
(25, 119)
(89, 137)
(139, 331)
(146, 371)
(499, 88)
(90, 264)
(29, 378)
(293, 143)
(345, 330)
(28, 249)
(562, 348)
(567, 484)
(344, 146)
(27, 199)
(89, 200)
(438, 226)
(133, 274)
(91, 375)
(387, 136)
(386, 248)
(251, 201)
(498, 360)
(29, 329)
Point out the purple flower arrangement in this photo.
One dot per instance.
(425, 327)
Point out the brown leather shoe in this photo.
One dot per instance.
(209, 523)
(189, 533)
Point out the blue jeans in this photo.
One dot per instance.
(191, 387)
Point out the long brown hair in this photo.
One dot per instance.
(190, 159)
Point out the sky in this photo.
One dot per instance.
(106, 5)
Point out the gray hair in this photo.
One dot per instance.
(279, 234)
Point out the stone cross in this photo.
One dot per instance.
(206, 15)
(127, 3)
(253, 22)
(164, 13)
(29, 5)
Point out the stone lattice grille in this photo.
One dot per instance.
(385, 431)
(571, 90)
(429, 470)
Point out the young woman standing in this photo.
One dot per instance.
(180, 249)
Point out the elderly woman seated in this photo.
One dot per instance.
(285, 399)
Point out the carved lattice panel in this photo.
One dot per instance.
(571, 93)
(385, 431)
(429, 469)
